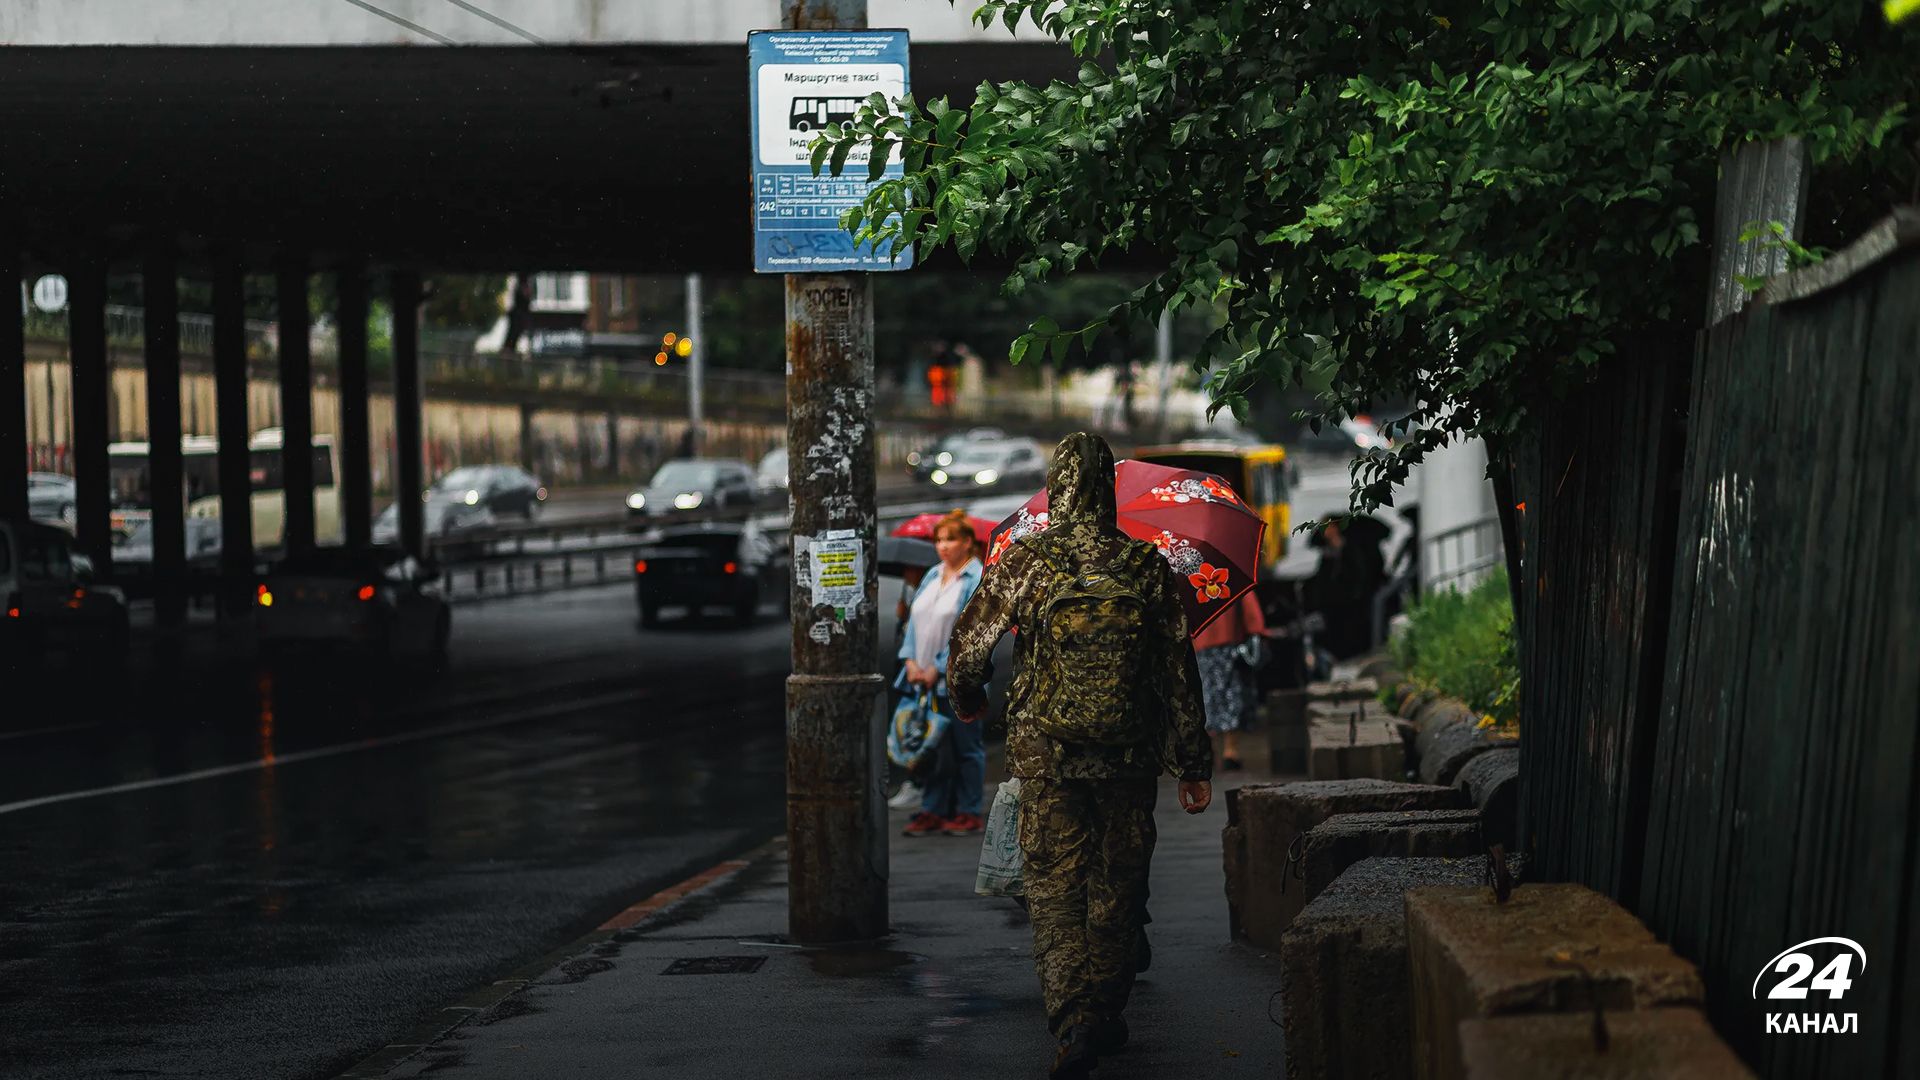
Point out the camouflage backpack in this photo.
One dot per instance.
(1093, 631)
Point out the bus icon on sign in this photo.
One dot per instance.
(808, 114)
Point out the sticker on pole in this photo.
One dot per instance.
(803, 82)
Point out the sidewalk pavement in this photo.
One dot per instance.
(950, 993)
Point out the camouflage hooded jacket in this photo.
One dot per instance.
(1082, 528)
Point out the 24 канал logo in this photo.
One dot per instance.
(1798, 976)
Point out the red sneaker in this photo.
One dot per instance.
(964, 825)
(924, 824)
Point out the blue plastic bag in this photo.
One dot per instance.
(917, 728)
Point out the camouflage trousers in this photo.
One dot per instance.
(1087, 846)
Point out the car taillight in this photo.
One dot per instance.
(13, 605)
(366, 592)
(640, 566)
(730, 568)
(263, 596)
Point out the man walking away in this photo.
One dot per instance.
(1105, 695)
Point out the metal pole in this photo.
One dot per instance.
(355, 482)
(696, 366)
(165, 469)
(13, 387)
(407, 427)
(91, 383)
(836, 821)
(230, 423)
(296, 407)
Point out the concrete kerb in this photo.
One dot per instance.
(1343, 983)
(1649, 1043)
(1263, 875)
(677, 903)
(1471, 957)
(1342, 840)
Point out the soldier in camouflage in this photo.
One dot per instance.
(1086, 813)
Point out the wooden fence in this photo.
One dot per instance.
(1719, 585)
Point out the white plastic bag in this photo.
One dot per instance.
(1000, 847)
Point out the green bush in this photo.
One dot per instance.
(1462, 645)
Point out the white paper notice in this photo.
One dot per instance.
(839, 572)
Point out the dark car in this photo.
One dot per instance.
(49, 599)
(379, 601)
(695, 484)
(724, 565)
(508, 491)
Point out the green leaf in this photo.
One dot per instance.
(837, 161)
(877, 165)
(819, 155)
(1018, 351)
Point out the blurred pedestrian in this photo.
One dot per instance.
(1105, 696)
(952, 793)
(910, 792)
(1229, 651)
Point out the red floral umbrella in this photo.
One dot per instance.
(921, 527)
(1196, 519)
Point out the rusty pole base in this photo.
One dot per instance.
(836, 820)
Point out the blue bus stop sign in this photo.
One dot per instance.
(802, 82)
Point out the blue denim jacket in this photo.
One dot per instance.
(969, 581)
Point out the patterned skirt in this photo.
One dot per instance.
(1226, 685)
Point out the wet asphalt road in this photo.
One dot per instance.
(411, 840)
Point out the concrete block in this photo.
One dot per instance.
(1438, 711)
(1381, 669)
(1444, 748)
(1344, 690)
(1342, 710)
(1473, 958)
(1343, 970)
(1492, 784)
(1345, 839)
(1287, 727)
(1347, 749)
(1650, 1044)
(1287, 707)
(1264, 820)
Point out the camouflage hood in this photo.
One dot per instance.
(1080, 483)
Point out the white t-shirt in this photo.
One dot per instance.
(935, 609)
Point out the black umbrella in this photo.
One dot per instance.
(898, 554)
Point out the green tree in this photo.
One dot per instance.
(1458, 203)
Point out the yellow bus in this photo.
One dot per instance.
(1256, 472)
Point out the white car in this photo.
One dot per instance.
(771, 476)
(1009, 464)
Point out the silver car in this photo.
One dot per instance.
(50, 498)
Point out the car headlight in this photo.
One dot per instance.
(473, 498)
(943, 459)
(913, 458)
(687, 500)
(939, 476)
(986, 476)
(636, 501)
